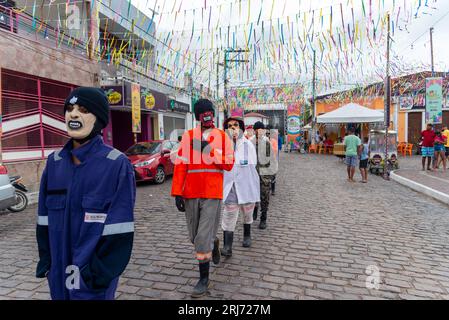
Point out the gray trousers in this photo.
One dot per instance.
(203, 220)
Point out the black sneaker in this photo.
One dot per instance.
(216, 252)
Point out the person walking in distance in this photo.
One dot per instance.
(266, 167)
(205, 153)
(427, 150)
(272, 135)
(85, 225)
(352, 144)
(364, 157)
(241, 186)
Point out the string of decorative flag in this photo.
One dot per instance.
(280, 48)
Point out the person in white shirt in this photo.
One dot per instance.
(241, 186)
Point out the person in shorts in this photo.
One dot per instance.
(427, 150)
(440, 150)
(352, 144)
(446, 134)
(364, 157)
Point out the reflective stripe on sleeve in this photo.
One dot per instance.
(118, 228)
(42, 220)
(205, 170)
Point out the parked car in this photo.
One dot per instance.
(7, 190)
(151, 160)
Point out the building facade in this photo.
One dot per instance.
(42, 58)
(407, 110)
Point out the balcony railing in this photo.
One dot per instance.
(25, 25)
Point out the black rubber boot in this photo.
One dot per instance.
(273, 188)
(228, 238)
(256, 209)
(263, 221)
(246, 235)
(216, 252)
(203, 284)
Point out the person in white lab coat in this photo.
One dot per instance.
(241, 189)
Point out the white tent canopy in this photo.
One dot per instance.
(352, 113)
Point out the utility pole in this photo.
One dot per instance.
(431, 52)
(226, 81)
(313, 106)
(386, 174)
(218, 88)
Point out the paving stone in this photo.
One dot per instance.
(319, 249)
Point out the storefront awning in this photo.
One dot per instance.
(352, 113)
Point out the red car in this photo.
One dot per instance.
(151, 160)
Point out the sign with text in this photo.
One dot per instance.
(294, 123)
(135, 104)
(434, 100)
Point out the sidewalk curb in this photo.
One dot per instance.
(437, 195)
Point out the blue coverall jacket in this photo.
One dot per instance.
(85, 223)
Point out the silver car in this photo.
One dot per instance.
(7, 191)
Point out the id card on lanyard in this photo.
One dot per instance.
(244, 162)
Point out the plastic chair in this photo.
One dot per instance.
(321, 149)
(312, 148)
(408, 150)
(401, 147)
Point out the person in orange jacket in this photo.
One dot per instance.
(205, 153)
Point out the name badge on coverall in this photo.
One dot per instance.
(95, 217)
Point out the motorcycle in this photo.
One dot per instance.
(21, 197)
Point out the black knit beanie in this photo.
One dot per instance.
(202, 106)
(94, 100)
(259, 125)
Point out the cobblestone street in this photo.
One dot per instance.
(322, 234)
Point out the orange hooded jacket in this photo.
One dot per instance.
(199, 175)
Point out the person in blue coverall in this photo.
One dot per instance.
(85, 225)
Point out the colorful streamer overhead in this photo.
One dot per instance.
(279, 39)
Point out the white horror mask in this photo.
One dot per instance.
(80, 122)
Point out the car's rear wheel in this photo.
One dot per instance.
(160, 175)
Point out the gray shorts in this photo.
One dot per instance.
(203, 220)
(352, 161)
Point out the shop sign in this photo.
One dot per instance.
(148, 100)
(178, 106)
(406, 103)
(115, 95)
(135, 103)
(434, 100)
(294, 123)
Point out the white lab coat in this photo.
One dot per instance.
(244, 174)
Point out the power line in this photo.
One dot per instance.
(426, 32)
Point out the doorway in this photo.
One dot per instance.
(414, 127)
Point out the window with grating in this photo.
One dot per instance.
(24, 141)
(55, 90)
(15, 82)
(56, 109)
(20, 98)
(52, 139)
(16, 106)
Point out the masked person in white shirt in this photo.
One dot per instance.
(241, 190)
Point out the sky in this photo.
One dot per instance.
(281, 35)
